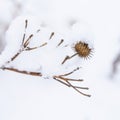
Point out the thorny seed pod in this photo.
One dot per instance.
(83, 49)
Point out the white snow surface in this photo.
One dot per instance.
(24, 97)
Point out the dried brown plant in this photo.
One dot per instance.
(60, 78)
(82, 50)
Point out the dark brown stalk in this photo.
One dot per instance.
(77, 89)
(66, 81)
(68, 57)
(24, 35)
(28, 41)
(52, 34)
(66, 74)
(60, 42)
(68, 84)
(23, 71)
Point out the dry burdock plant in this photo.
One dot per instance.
(80, 48)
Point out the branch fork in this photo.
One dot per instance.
(67, 81)
(64, 79)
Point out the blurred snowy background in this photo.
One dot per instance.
(25, 97)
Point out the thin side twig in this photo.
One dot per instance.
(24, 35)
(60, 42)
(69, 73)
(68, 57)
(78, 90)
(66, 81)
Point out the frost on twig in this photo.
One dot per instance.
(81, 49)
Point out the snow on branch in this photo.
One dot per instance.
(58, 58)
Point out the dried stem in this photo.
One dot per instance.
(77, 89)
(60, 78)
(33, 48)
(24, 35)
(70, 72)
(52, 34)
(66, 81)
(24, 47)
(26, 43)
(23, 71)
(60, 42)
(68, 57)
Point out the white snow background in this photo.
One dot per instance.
(24, 97)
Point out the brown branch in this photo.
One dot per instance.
(60, 78)
(57, 78)
(24, 47)
(26, 24)
(77, 89)
(68, 57)
(25, 43)
(68, 84)
(70, 79)
(52, 34)
(66, 81)
(28, 41)
(60, 42)
(33, 48)
(69, 73)
(17, 54)
(23, 71)
(24, 35)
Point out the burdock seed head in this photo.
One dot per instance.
(83, 49)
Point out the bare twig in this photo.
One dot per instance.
(24, 47)
(78, 90)
(68, 57)
(16, 55)
(66, 74)
(33, 48)
(66, 81)
(24, 35)
(26, 43)
(60, 78)
(52, 34)
(23, 71)
(60, 42)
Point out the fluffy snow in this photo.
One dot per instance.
(34, 98)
